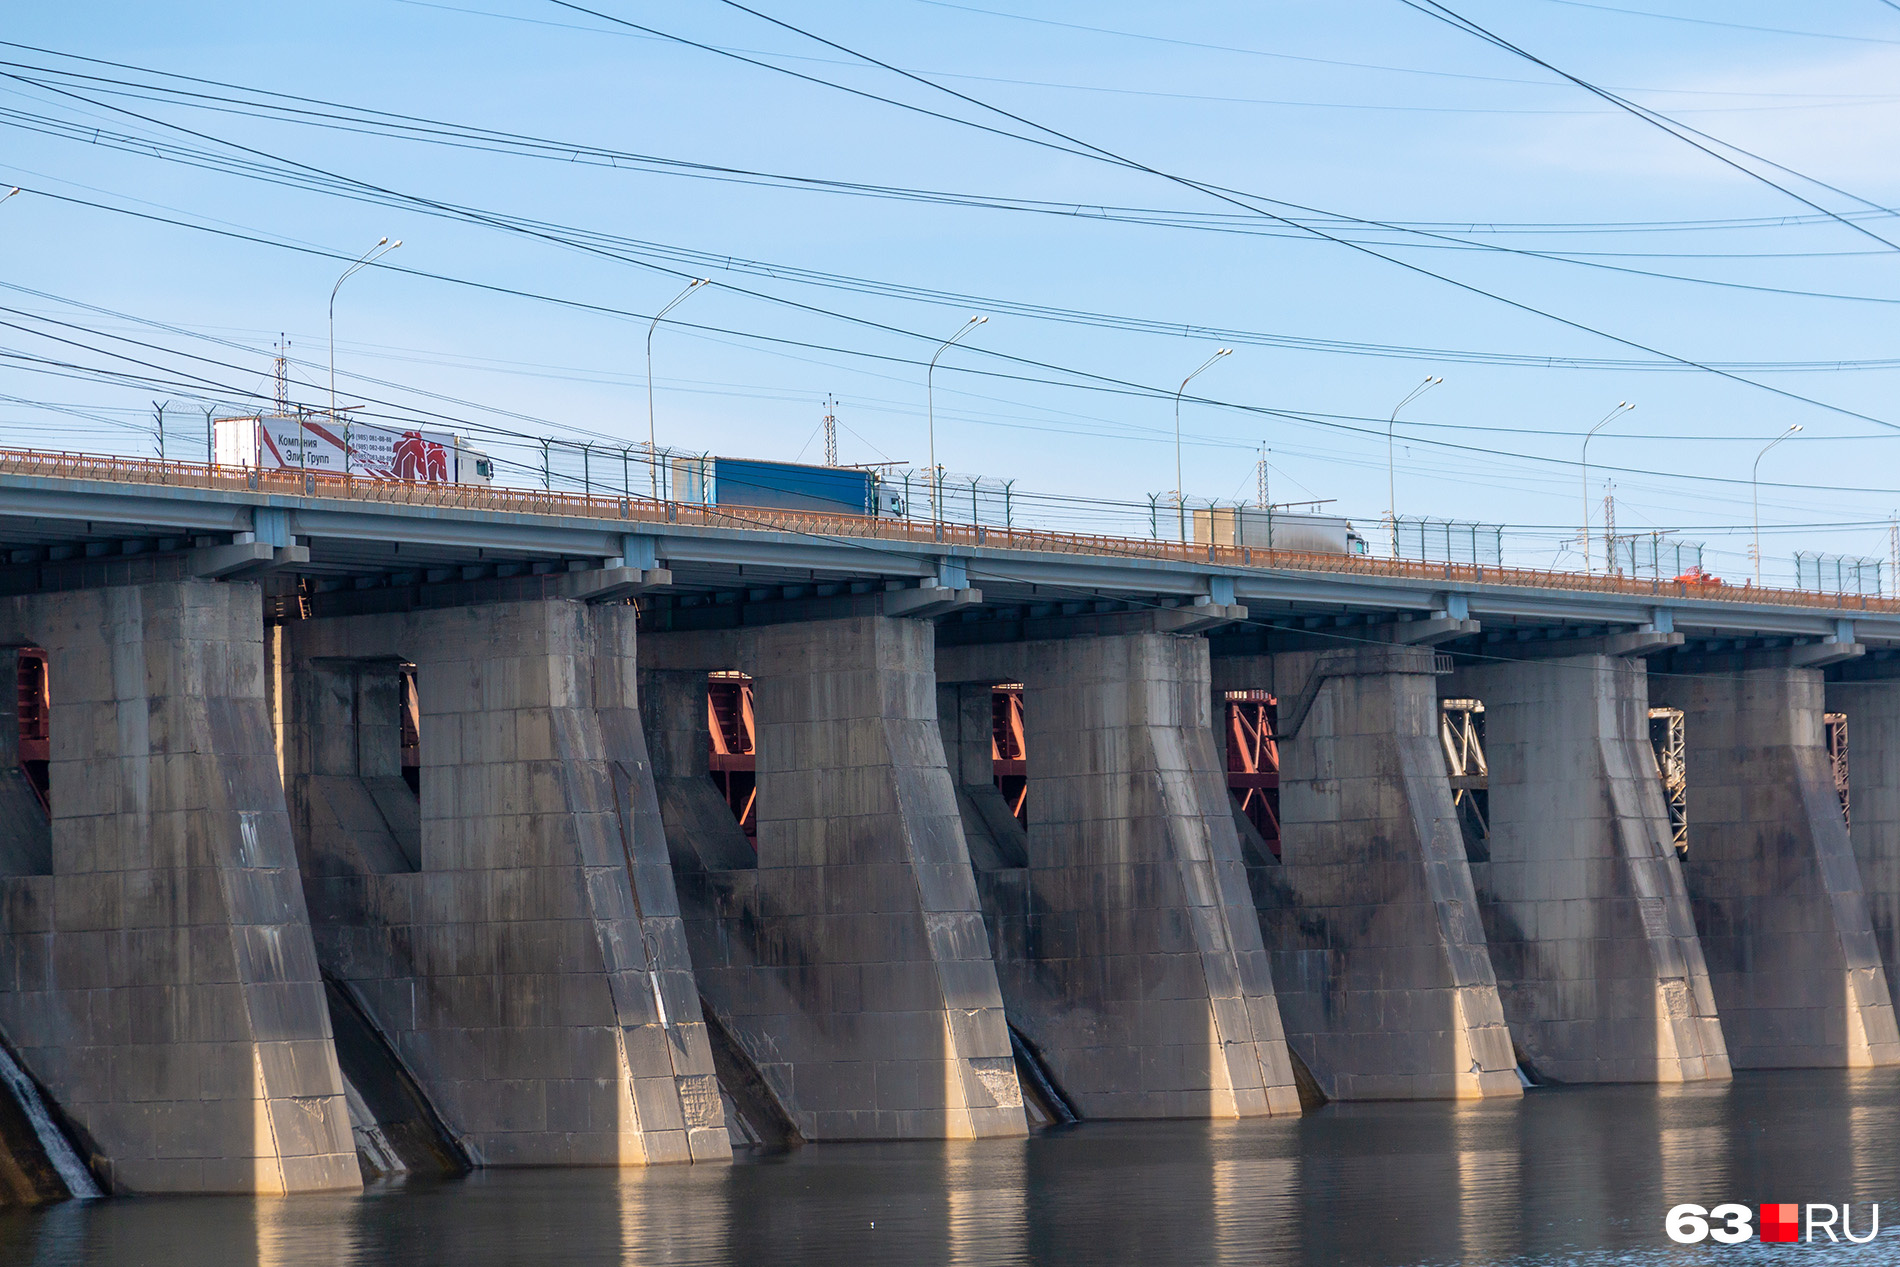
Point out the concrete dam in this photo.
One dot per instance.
(354, 829)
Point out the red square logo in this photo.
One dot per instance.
(1781, 1222)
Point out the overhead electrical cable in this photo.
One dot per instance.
(1238, 200)
(1332, 422)
(1682, 132)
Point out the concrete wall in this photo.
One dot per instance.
(1128, 949)
(1584, 909)
(849, 964)
(1772, 878)
(1370, 918)
(160, 982)
(1873, 758)
(529, 969)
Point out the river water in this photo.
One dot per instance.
(1567, 1175)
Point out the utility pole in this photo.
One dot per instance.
(1893, 549)
(831, 431)
(159, 410)
(211, 441)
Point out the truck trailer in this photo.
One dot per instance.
(319, 443)
(720, 481)
(1271, 529)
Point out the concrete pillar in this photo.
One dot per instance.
(1772, 878)
(1370, 917)
(160, 982)
(527, 965)
(1873, 755)
(1584, 909)
(1129, 951)
(849, 963)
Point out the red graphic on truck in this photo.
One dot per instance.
(420, 459)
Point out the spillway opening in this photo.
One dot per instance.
(26, 794)
(1666, 739)
(409, 728)
(1009, 756)
(733, 763)
(1461, 731)
(1834, 729)
(1253, 763)
(35, 717)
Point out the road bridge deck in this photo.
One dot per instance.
(362, 535)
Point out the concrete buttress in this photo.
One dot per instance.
(848, 962)
(158, 979)
(1588, 923)
(1128, 947)
(1872, 709)
(513, 930)
(1772, 876)
(1370, 918)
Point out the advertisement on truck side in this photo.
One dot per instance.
(317, 444)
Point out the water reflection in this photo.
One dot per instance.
(1580, 1175)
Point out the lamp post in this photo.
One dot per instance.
(1622, 406)
(9, 193)
(383, 247)
(1391, 483)
(1180, 496)
(930, 410)
(1754, 484)
(653, 448)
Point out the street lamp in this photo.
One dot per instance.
(930, 409)
(383, 247)
(653, 448)
(1622, 406)
(1180, 497)
(1391, 484)
(9, 193)
(1754, 482)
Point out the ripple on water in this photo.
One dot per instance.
(1566, 1176)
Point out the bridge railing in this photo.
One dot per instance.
(635, 510)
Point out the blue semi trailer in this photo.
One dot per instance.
(846, 490)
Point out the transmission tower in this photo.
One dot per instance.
(1893, 548)
(1260, 478)
(831, 431)
(1609, 527)
(281, 376)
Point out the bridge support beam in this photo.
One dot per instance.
(848, 964)
(158, 979)
(1585, 913)
(513, 932)
(1772, 877)
(1872, 709)
(1128, 948)
(1370, 917)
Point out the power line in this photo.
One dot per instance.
(1433, 9)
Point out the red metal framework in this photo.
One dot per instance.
(734, 762)
(1253, 761)
(35, 714)
(411, 729)
(291, 482)
(1007, 753)
(1461, 733)
(1836, 727)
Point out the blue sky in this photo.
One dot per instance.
(1362, 109)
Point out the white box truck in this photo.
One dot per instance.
(317, 443)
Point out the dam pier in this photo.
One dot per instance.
(352, 828)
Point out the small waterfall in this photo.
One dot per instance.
(59, 1151)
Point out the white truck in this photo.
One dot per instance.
(1268, 528)
(366, 450)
